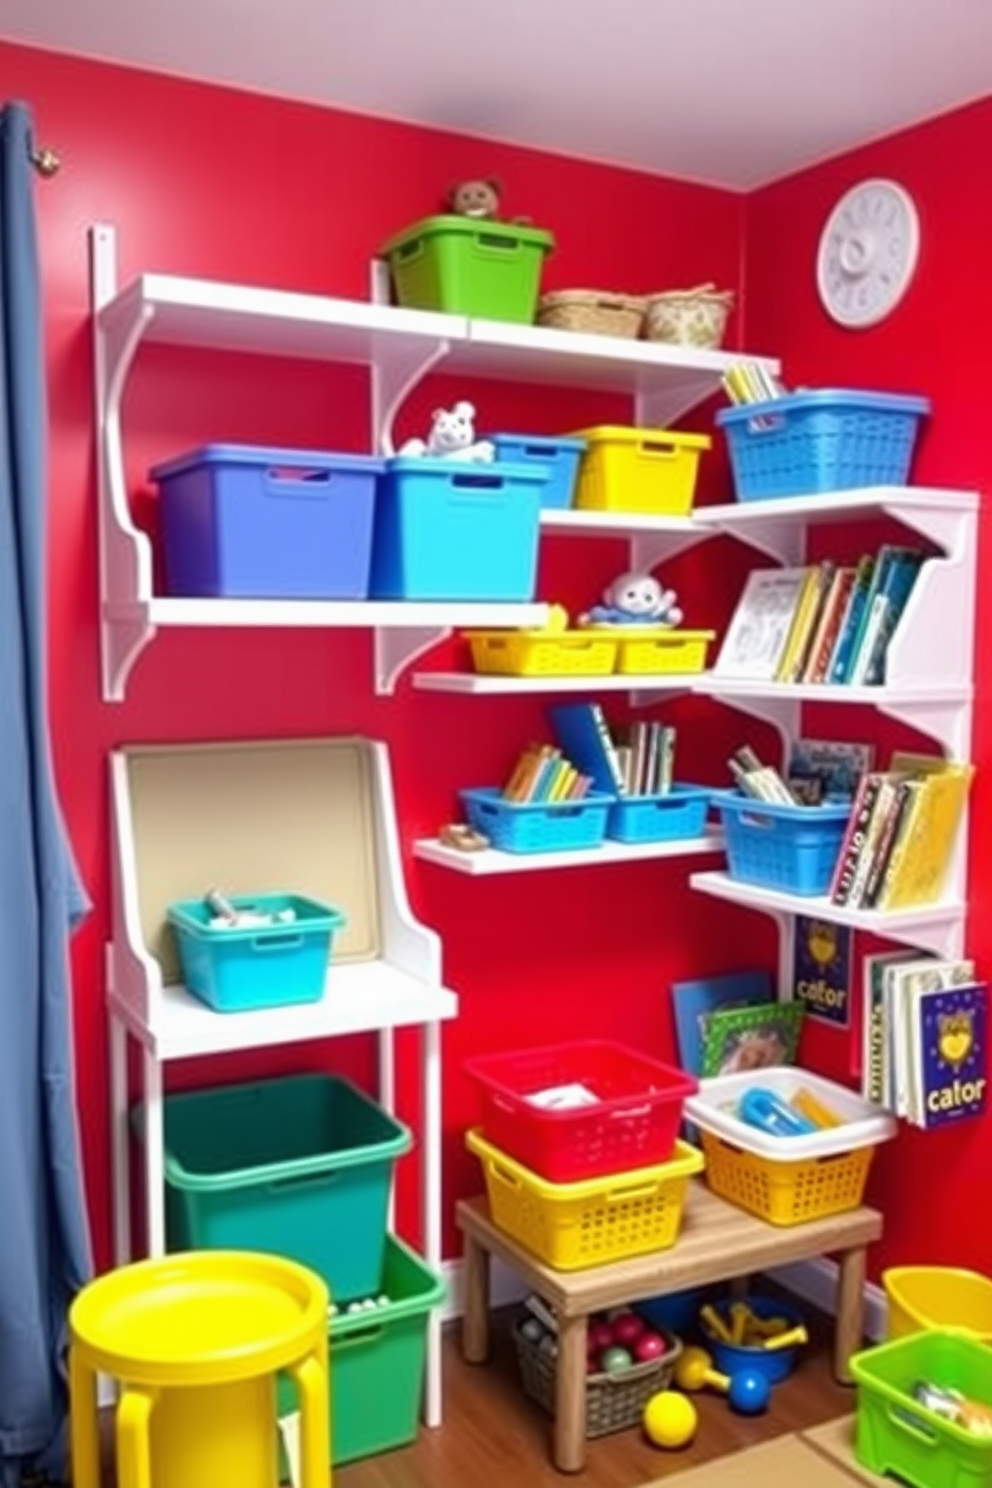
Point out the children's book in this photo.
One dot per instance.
(694, 1002)
(949, 1036)
(904, 983)
(821, 970)
(760, 626)
(875, 1060)
(826, 770)
(752, 1038)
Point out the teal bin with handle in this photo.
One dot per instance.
(301, 1166)
(377, 1358)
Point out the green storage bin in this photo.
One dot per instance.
(301, 1166)
(377, 1363)
(897, 1435)
(468, 266)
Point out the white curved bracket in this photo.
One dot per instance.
(647, 549)
(395, 374)
(398, 647)
(783, 713)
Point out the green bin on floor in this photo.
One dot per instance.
(469, 266)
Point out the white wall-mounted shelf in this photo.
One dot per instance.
(938, 928)
(489, 860)
(651, 539)
(398, 348)
(486, 684)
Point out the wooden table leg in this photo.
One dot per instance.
(849, 1336)
(475, 1323)
(570, 1395)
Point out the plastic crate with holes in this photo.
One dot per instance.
(571, 1226)
(792, 848)
(788, 1180)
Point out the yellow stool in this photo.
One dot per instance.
(195, 1340)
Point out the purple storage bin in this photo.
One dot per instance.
(239, 522)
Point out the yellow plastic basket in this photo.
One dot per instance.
(786, 1193)
(538, 653)
(639, 470)
(662, 652)
(574, 1225)
(922, 1298)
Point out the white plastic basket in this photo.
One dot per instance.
(714, 1107)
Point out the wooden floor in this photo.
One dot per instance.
(494, 1436)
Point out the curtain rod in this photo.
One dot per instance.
(46, 162)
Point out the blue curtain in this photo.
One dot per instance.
(44, 1246)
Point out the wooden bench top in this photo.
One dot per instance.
(717, 1242)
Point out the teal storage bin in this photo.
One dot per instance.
(448, 530)
(678, 814)
(537, 826)
(301, 1166)
(897, 1435)
(265, 966)
(558, 457)
(378, 1360)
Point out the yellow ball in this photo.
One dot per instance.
(670, 1419)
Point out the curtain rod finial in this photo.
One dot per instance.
(46, 162)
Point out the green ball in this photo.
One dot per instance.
(615, 1359)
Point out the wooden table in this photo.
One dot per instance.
(718, 1242)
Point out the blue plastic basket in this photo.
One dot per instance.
(242, 522)
(232, 970)
(680, 813)
(451, 530)
(825, 440)
(793, 848)
(558, 457)
(537, 826)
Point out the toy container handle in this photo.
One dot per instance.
(913, 1425)
(360, 1337)
(635, 1191)
(275, 943)
(631, 1112)
(503, 1175)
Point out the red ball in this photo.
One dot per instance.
(599, 1337)
(648, 1346)
(628, 1329)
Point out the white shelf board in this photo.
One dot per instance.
(385, 614)
(936, 927)
(837, 506)
(571, 522)
(481, 684)
(271, 322)
(491, 861)
(361, 997)
(904, 695)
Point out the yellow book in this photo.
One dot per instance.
(924, 846)
(563, 781)
(801, 623)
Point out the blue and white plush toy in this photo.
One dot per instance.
(635, 599)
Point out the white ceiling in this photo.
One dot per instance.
(735, 92)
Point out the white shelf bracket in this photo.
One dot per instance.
(396, 372)
(778, 538)
(125, 552)
(648, 550)
(396, 648)
(663, 408)
(946, 723)
(783, 713)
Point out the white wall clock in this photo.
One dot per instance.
(868, 252)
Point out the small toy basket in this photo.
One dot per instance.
(597, 311)
(677, 815)
(662, 653)
(633, 1123)
(571, 1226)
(537, 826)
(787, 1181)
(614, 1402)
(542, 653)
(825, 440)
(792, 848)
(935, 1297)
(688, 317)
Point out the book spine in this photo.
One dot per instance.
(847, 862)
(886, 841)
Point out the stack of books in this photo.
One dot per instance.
(637, 761)
(751, 382)
(819, 771)
(823, 623)
(543, 774)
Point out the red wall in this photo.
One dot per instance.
(216, 183)
(937, 343)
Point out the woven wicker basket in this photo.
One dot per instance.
(614, 1402)
(688, 317)
(593, 310)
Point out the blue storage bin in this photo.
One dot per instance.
(824, 440)
(232, 970)
(675, 1312)
(680, 812)
(537, 826)
(792, 848)
(559, 457)
(445, 530)
(240, 522)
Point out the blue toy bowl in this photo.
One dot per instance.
(729, 1358)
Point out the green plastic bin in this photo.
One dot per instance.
(896, 1435)
(377, 1362)
(301, 1166)
(464, 266)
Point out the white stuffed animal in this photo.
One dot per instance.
(452, 437)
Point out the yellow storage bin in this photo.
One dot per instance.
(574, 1225)
(786, 1193)
(639, 470)
(922, 1298)
(652, 653)
(542, 653)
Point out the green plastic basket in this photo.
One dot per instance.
(377, 1362)
(464, 266)
(897, 1435)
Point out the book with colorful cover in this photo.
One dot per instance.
(904, 983)
(752, 1038)
(821, 970)
(950, 1035)
(875, 1050)
(694, 1002)
(827, 770)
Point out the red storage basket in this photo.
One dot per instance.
(633, 1124)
